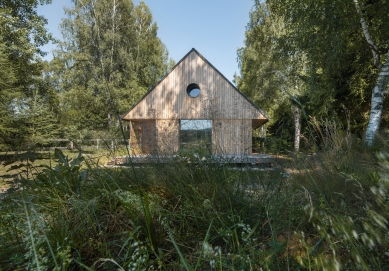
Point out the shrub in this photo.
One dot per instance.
(198, 215)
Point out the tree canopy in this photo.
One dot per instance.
(109, 58)
(22, 33)
(110, 55)
(320, 48)
(327, 58)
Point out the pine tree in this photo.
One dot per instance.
(8, 125)
(22, 33)
(39, 120)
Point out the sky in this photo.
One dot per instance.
(215, 28)
(195, 124)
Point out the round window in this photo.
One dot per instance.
(193, 90)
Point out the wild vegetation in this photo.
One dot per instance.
(311, 212)
(109, 57)
(327, 58)
(310, 64)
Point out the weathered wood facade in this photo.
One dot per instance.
(155, 119)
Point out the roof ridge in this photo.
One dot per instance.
(212, 66)
(163, 78)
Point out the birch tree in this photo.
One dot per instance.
(377, 96)
(270, 75)
(340, 76)
(111, 55)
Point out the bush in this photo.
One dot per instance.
(197, 215)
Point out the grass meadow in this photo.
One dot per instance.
(321, 211)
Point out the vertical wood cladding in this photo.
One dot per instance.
(168, 136)
(155, 120)
(142, 137)
(136, 137)
(218, 99)
(232, 137)
(149, 144)
(154, 136)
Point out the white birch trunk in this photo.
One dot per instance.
(297, 128)
(297, 120)
(262, 139)
(367, 35)
(377, 101)
(377, 96)
(109, 121)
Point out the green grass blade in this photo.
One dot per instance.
(179, 252)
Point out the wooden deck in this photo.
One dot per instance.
(249, 160)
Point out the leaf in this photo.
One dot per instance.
(32, 156)
(75, 163)
(58, 154)
(276, 246)
(17, 167)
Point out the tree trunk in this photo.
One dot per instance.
(109, 121)
(297, 127)
(377, 96)
(366, 33)
(262, 139)
(377, 101)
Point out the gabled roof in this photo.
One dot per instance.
(219, 98)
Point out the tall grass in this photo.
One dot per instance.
(330, 212)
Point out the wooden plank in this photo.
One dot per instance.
(169, 99)
(257, 160)
(168, 136)
(232, 137)
(136, 137)
(229, 137)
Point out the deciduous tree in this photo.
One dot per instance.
(271, 74)
(336, 36)
(109, 58)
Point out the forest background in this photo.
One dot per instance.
(319, 68)
(303, 63)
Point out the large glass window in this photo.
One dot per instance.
(196, 137)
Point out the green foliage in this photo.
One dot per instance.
(8, 93)
(110, 57)
(23, 33)
(97, 74)
(313, 51)
(330, 212)
(259, 59)
(40, 121)
(271, 76)
(66, 173)
(339, 71)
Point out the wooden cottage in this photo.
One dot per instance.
(193, 94)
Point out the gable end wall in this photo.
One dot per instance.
(218, 99)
